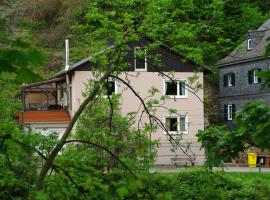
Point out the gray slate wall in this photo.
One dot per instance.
(241, 79)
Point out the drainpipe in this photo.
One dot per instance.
(23, 107)
(67, 77)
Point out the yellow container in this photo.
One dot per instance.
(252, 159)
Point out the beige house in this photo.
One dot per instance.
(61, 102)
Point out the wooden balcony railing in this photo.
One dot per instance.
(49, 116)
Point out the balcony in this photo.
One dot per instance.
(45, 102)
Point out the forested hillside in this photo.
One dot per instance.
(204, 30)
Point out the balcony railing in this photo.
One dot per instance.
(44, 107)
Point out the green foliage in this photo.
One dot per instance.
(19, 57)
(204, 31)
(266, 77)
(201, 184)
(106, 159)
(194, 184)
(222, 144)
(17, 161)
(103, 124)
(253, 122)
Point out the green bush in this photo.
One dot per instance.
(201, 184)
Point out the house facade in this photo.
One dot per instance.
(238, 80)
(69, 86)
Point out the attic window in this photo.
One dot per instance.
(140, 59)
(249, 44)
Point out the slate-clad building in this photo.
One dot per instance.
(238, 80)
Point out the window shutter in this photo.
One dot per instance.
(233, 79)
(233, 110)
(225, 111)
(225, 80)
(250, 76)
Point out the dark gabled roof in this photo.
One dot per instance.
(78, 64)
(85, 60)
(241, 54)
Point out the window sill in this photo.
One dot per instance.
(140, 70)
(177, 132)
(176, 97)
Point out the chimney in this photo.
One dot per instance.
(67, 54)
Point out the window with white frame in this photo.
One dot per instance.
(229, 112)
(176, 124)
(252, 76)
(229, 80)
(140, 61)
(175, 88)
(249, 42)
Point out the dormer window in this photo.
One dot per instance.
(249, 41)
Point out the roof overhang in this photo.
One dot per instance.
(45, 82)
(239, 61)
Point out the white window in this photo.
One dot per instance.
(175, 89)
(176, 124)
(255, 78)
(249, 41)
(230, 112)
(230, 81)
(140, 61)
(252, 76)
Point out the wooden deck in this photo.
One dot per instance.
(57, 116)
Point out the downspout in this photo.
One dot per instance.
(67, 76)
(23, 107)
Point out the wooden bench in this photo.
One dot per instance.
(182, 162)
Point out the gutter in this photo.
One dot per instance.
(239, 61)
